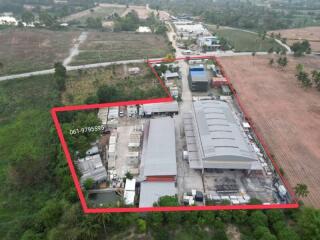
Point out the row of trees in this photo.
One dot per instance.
(304, 77)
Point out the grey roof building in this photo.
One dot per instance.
(159, 150)
(92, 167)
(215, 138)
(150, 192)
(158, 108)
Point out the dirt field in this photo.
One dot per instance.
(142, 11)
(106, 47)
(27, 50)
(102, 11)
(286, 115)
(310, 33)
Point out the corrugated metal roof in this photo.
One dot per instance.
(92, 167)
(159, 155)
(160, 107)
(220, 140)
(150, 192)
(199, 76)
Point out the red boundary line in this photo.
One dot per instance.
(85, 208)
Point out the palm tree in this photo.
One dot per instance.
(301, 190)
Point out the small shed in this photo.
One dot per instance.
(134, 70)
(226, 90)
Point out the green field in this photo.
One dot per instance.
(83, 84)
(25, 50)
(244, 41)
(106, 47)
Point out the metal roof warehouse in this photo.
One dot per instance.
(159, 154)
(215, 138)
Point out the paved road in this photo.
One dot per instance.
(69, 68)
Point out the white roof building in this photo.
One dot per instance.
(144, 29)
(7, 20)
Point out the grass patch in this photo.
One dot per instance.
(83, 84)
(108, 47)
(244, 41)
(26, 93)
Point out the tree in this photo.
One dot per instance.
(309, 224)
(49, 215)
(258, 218)
(108, 93)
(282, 61)
(301, 190)
(271, 62)
(142, 225)
(316, 78)
(27, 17)
(287, 234)
(60, 75)
(299, 68)
(46, 19)
(300, 48)
(271, 50)
(88, 183)
(60, 70)
(94, 22)
(128, 175)
(167, 201)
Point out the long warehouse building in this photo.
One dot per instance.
(215, 139)
(158, 161)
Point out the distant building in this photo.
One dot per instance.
(170, 75)
(134, 70)
(216, 140)
(226, 90)
(143, 29)
(211, 43)
(7, 20)
(198, 79)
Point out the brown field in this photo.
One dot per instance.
(28, 50)
(312, 34)
(102, 11)
(142, 11)
(286, 115)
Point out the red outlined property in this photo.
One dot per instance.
(168, 178)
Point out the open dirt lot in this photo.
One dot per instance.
(26, 50)
(309, 33)
(102, 11)
(286, 115)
